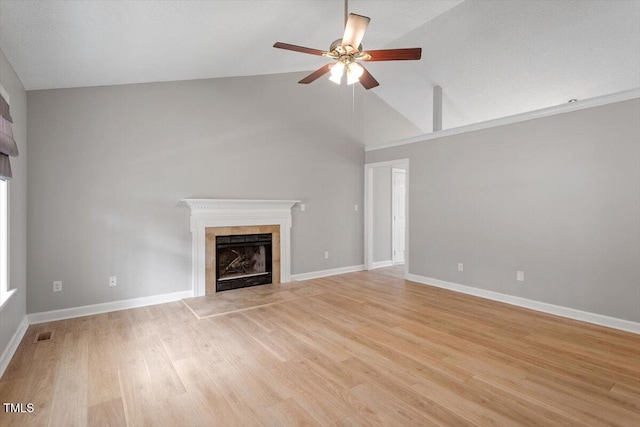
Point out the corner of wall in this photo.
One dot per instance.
(13, 314)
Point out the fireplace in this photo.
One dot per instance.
(243, 260)
(226, 217)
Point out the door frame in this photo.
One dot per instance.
(368, 211)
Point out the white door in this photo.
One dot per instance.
(398, 193)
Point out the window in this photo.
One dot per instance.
(5, 293)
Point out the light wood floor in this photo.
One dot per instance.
(371, 350)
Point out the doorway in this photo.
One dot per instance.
(398, 217)
(386, 214)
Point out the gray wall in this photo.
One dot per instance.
(382, 214)
(108, 166)
(13, 313)
(556, 197)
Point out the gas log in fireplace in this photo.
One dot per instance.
(243, 261)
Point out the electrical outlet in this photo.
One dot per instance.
(460, 266)
(112, 282)
(356, 208)
(326, 254)
(520, 276)
(303, 207)
(57, 286)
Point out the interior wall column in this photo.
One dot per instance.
(437, 108)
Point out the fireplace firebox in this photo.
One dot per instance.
(243, 260)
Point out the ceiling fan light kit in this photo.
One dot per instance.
(347, 52)
(354, 72)
(337, 71)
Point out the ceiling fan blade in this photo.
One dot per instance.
(407, 54)
(316, 74)
(354, 30)
(302, 49)
(367, 80)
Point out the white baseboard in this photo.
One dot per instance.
(382, 264)
(88, 310)
(11, 348)
(571, 313)
(325, 273)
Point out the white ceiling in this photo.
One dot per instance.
(499, 58)
(55, 44)
(492, 58)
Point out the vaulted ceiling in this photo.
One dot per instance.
(492, 58)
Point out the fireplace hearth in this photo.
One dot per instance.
(243, 260)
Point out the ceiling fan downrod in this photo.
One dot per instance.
(346, 12)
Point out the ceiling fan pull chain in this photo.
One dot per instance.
(353, 102)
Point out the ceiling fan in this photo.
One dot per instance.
(347, 52)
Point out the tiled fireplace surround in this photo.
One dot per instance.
(210, 249)
(216, 217)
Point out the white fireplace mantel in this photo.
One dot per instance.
(236, 213)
